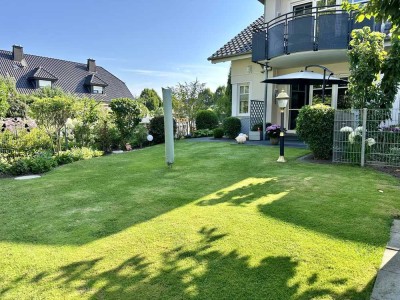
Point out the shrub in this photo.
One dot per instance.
(41, 163)
(107, 137)
(202, 133)
(19, 167)
(206, 119)
(64, 157)
(139, 136)
(232, 127)
(315, 127)
(156, 129)
(218, 133)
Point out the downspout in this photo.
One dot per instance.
(265, 104)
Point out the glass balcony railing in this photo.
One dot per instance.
(317, 28)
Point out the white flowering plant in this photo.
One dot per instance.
(354, 145)
(241, 138)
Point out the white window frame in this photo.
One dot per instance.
(248, 84)
(46, 83)
(95, 89)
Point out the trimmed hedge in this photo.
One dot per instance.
(206, 119)
(232, 127)
(218, 133)
(315, 127)
(156, 129)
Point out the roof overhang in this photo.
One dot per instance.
(230, 58)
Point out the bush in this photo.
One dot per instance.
(206, 119)
(41, 163)
(202, 133)
(232, 127)
(107, 137)
(156, 129)
(315, 127)
(218, 133)
(19, 167)
(64, 157)
(139, 136)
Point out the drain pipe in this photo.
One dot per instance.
(266, 69)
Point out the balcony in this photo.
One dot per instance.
(318, 28)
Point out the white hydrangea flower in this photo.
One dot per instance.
(359, 130)
(371, 142)
(346, 129)
(352, 137)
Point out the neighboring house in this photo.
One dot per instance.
(291, 35)
(32, 72)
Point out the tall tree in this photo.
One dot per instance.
(228, 92)
(52, 114)
(223, 105)
(186, 101)
(7, 92)
(207, 97)
(150, 99)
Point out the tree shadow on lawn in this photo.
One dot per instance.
(198, 272)
(339, 215)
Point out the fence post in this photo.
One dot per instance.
(364, 135)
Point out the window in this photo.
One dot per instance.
(244, 97)
(322, 3)
(97, 89)
(44, 83)
(302, 9)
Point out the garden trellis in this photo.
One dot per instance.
(367, 137)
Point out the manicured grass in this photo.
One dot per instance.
(226, 222)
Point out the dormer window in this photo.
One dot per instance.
(44, 83)
(97, 89)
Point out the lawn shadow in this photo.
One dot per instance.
(190, 272)
(242, 193)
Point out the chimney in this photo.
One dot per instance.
(91, 65)
(18, 53)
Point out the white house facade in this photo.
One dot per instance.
(289, 36)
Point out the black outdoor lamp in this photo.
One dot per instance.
(282, 100)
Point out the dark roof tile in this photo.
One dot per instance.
(240, 44)
(71, 76)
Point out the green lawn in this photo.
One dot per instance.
(226, 222)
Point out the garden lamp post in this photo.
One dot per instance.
(282, 100)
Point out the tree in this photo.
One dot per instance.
(52, 114)
(368, 60)
(186, 101)
(127, 115)
(223, 104)
(150, 99)
(7, 92)
(228, 91)
(87, 112)
(207, 97)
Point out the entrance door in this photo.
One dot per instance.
(298, 99)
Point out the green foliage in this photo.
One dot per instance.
(206, 119)
(49, 92)
(87, 112)
(64, 157)
(315, 127)
(150, 99)
(41, 163)
(127, 115)
(107, 136)
(139, 136)
(203, 133)
(7, 92)
(187, 101)
(52, 114)
(17, 108)
(368, 60)
(19, 167)
(156, 129)
(218, 133)
(232, 127)
(206, 97)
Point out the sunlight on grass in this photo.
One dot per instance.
(234, 231)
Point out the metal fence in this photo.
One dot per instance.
(367, 136)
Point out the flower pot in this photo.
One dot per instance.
(274, 141)
(254, 135)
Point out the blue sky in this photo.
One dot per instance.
(146, 43)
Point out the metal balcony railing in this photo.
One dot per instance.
(318, 28)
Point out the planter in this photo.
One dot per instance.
(255, 135)
(274, 141)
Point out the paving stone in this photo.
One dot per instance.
(387, 286)
(117, 152)
(396, 226)
(27, 177)
(391, 261)
(394, 241)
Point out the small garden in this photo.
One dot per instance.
(218, 225)
(51, 128)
